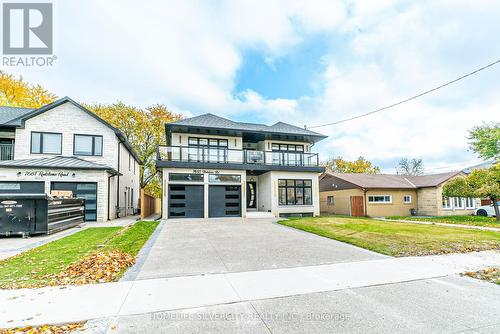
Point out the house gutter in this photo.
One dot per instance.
(118, 184)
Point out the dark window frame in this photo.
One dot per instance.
(204, 154)
(297, 184)
(41, 133)
(93, 145)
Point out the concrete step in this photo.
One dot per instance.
(259, 214)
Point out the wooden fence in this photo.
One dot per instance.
(149, 205)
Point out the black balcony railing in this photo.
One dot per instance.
(232, 156)
(6, 151)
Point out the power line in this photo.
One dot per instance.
(410, 98)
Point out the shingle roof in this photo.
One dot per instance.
(381, 181)
(213, 121)
(8, 114)
(56, 162)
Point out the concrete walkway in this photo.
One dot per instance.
(10, 246)
(78, 303)
(469, 227)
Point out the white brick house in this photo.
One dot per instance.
(63, 146)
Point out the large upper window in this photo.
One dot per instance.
(207, 149)
(46, 142)
(380, 199)
(295, 192)
(87, 145)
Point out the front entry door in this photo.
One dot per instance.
(357, 207)
(251, 195)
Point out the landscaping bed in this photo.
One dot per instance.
(395, 238)
(462, 220)
(94, 255)
(45, 329)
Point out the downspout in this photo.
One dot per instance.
(364, 200)
(109, 193)
(118, 184)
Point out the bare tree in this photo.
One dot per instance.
(410, 166)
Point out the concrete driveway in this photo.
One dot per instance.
(196, 246)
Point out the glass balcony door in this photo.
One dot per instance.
(207, 150)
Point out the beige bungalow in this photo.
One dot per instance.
(379, 195)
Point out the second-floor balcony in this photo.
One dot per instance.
(6, 151)
(220, 155)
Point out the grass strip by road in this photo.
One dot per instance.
(42, 265)
(397, 239)
(461, 220)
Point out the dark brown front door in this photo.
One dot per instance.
(357, 207)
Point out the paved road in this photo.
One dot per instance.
(444, 305)
(192, 247)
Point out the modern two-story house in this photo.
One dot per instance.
(215, 167)
(64, 147)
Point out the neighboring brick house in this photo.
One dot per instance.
(388, 195)
(63, 146)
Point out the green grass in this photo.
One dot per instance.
(464, 220)
(28, 268)
(397, 239)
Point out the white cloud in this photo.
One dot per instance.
(187, 54)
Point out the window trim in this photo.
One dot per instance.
(330, 200)
(295, 187)
(405, 201)
(41, 142)
(380, 195)
(93, 145)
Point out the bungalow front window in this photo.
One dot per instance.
(470, 203)
(294, 192)
(382, 199)
(446, 202)
(458, 203)
(407, 199)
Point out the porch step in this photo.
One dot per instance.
(259, 214)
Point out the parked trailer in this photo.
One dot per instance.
(29, 214)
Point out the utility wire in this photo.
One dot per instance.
(408, 99)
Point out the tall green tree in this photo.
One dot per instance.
(482, 183)
(485, 140)
(360, 165)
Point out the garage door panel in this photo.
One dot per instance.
(185, 201)
(224, 201)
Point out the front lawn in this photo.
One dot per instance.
(397, 239)
(47, 264)
(463, 220)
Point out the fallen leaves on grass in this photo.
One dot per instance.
(97, 268)
(101, 267)
(489, 274)
(45, 329)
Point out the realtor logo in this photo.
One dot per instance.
(27, 28)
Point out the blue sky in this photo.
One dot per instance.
(300, 62)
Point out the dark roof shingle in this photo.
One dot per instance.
(213, 121)
(8, 114)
